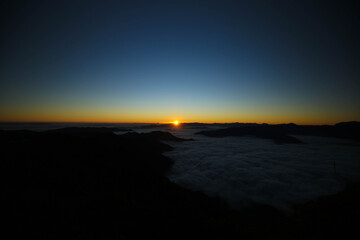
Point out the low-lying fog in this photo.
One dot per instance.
(244, 170)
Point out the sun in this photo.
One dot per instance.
(176, 123)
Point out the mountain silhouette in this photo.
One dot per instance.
(280, 133)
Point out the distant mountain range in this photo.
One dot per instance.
(280, 132)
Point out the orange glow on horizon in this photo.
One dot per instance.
(148, 121)
(104, 115)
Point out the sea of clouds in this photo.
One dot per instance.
(245, 170)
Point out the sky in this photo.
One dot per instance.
(191, 61)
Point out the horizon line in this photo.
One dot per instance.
(164, 123)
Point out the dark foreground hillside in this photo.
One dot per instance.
(93, 184)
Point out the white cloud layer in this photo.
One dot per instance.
(244, 170)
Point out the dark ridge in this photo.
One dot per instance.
(351, 124)
(258, 131)
(327, 217)
(280, 133)
(159, 135)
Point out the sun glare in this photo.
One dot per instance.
(176, 123)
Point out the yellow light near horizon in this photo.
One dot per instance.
(176, 123)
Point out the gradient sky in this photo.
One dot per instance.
(160, 61)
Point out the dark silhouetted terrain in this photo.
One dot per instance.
(280, 133)
(93, 184)
(155, 135)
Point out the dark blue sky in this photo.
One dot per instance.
(157, 61)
